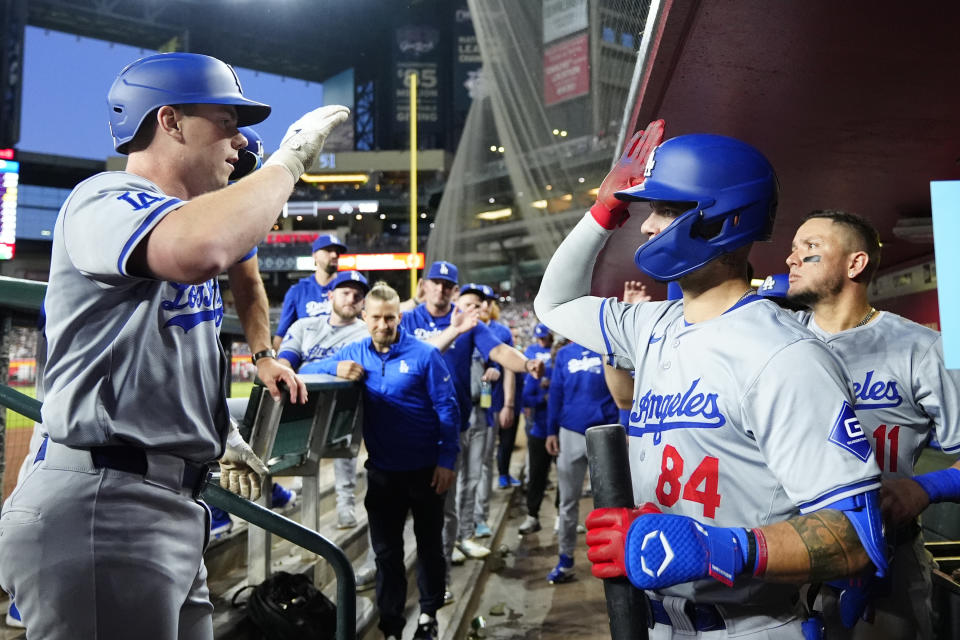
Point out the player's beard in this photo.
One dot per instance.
(345, 314)
(331, 268)
(815, 295)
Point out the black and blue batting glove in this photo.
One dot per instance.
(665, 549)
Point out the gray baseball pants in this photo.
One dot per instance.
(571, 470)
(104, 554)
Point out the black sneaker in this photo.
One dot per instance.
(426, 628)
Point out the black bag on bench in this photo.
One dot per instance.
(288, 606)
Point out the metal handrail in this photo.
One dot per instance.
(303, 537)
(256, 515)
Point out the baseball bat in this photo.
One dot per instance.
(627, 606)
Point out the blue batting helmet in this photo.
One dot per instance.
(170, 79)
(732, 187)
(775, 286)
(250, 157)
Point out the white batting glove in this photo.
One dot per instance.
(241, 471)
(304, 139)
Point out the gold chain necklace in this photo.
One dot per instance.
(746, 293)
(866, 318)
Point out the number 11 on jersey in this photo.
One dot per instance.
(880, 438)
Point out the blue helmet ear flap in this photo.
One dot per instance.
(250, 157)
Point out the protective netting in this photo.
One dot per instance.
(540, 135)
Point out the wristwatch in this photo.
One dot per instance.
(266, 353)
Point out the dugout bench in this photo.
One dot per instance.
(291, 439)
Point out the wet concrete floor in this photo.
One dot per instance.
(528, 606)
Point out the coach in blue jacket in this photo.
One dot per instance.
(579, 399)
(411, 427)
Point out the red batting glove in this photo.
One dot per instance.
(607, 538)
(608, 211)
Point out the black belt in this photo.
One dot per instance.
(134, 460)
(705, 617)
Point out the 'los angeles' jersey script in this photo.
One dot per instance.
(742, 420)
(903, 392)
(115, 337)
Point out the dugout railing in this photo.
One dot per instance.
(290, 443)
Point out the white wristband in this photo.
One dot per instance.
(234, 439)
(288, 160)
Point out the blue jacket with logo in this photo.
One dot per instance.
(421, 324)
(411, 418)
(579, 397)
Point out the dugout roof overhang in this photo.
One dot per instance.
(306, 39)
(855, 103)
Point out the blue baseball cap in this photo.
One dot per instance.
(328, 240)
(489, 292)
(541, 331)
(350, 278)
(473, 287)
(775, 286)
(443, 270)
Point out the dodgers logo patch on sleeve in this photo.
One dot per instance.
(848, 434)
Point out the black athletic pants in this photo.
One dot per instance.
(391, 495)
(507, 440)
(539, 470)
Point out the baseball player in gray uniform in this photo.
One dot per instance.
(722, 431)
(314, 338)
(105, 535)
(904, 395)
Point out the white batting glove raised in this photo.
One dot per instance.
(304, 139)
(241, 471)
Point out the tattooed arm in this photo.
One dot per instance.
(819, 546)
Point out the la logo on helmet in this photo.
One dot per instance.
(648, 170)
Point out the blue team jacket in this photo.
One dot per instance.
(534, 396)
(411, 418)
(459, 355)
(579, 397)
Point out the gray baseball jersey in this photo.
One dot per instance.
(130, 360)
(903, 392)
(312, 339)
(742, 420)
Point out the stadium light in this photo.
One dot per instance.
(495, 214)
(320, 178)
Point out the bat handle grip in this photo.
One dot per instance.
(627, 606)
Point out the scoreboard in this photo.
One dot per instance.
(9, 178)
